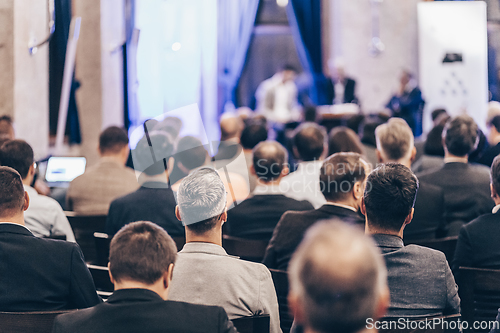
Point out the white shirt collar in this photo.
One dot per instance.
(341, 205)
(31, 191)
(263, 189)
(25, 227)
(496, 209)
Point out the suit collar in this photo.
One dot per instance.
(14, 228)
(155, 185)
(388, 241)
(337, 210)
(134, 295)
(455, 165)
(207, 248)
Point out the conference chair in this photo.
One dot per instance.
(102, 282)
(479, 291)
(32, 322)
(254, 324)
(433, 324)
(84, 227)
(280, 280)
(246, 249)
(446, 245)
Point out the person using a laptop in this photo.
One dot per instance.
(44, 217)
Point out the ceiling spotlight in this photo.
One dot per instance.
(176, 46)
(282, 3)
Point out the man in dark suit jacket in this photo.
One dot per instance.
(395, 143)
(141, 262)
(338, 83)
(466, 186)
(494, 141)
(478, 244)
(343, 191)
(257, 216)
(420, 280)
(154, 201)
(37, 274)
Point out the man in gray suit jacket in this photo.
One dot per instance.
(420, 280)
(204, 272)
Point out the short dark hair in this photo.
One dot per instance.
(339, 173)
(288, 67)
(437, 112)
(253, 134)
(309, 140)
(495, 174)
(11, 192)
(161, 144)
(269, 160)
(342, 139)
(390, 195)
(141, 252)
(434, 142)
(112, 140)
(191, 153)
(200, 228)
(18, 155)
(460, 135)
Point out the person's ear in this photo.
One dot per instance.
(170, 164)
(31, 171)
(413, 155)
(167, 276)
(494, 193)
(26, 201)
(223, 216)
(178, 213)
(285, 171)
(252, 171)
(409, 217)
(358, 190)
(379, 156)
(362, 207)
(111, 278)
(296, 308)
(296, 153)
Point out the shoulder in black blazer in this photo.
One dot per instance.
(428, 219)
(142, 310)
(478, 244)
(42, 274)
(151, 202)
(257, 216)
(292, 226)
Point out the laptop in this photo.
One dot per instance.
(61, 171)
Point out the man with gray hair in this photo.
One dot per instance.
(395, 144)
(205, 273)
(338, 280)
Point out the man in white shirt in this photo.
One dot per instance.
(309, 145)
(44, 217)
(277, 96)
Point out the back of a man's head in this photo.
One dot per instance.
(18, 155)
(390, 196)
(269, 160)
(253, 134)
(460, 135)
(338, 175)
(191, 153)
(309, 140)
(201, 199)
(337, 279)
(395, 141)
(11, 193)
(230, 127)
(495, 175)
(112, 140)
(6, 128)
(141, 252)
(157, 143)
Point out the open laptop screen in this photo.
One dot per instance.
(64, 169)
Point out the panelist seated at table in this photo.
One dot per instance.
(338, 88)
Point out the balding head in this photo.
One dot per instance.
(270, 161)
(395, 142)
(230, 127)
(337, 279)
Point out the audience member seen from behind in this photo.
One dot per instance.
(37, 274)
(344, 140)
(230, 133)
(478, 244)
(141, 261)
(466, 186)
(93, 192)
(257, 216)
(342, 180)
(338, 280)
(309, 145)
(190, 154)
(44, 216)
(395, 144)
(205, 273)
(494, 141)
(388, 207)
(433, 157)
(154, 201)
(254, 133)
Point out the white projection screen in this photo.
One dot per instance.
(453, 58)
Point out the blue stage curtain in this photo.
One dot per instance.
(304, 17)
(237, 19)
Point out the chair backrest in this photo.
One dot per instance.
(100, 275)
(280, 280)
(446, 245)
(84, 227)
(444, 324)
(479, 291)
(246, 249)
(32, 322)
(102, 241)
(255, 324)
